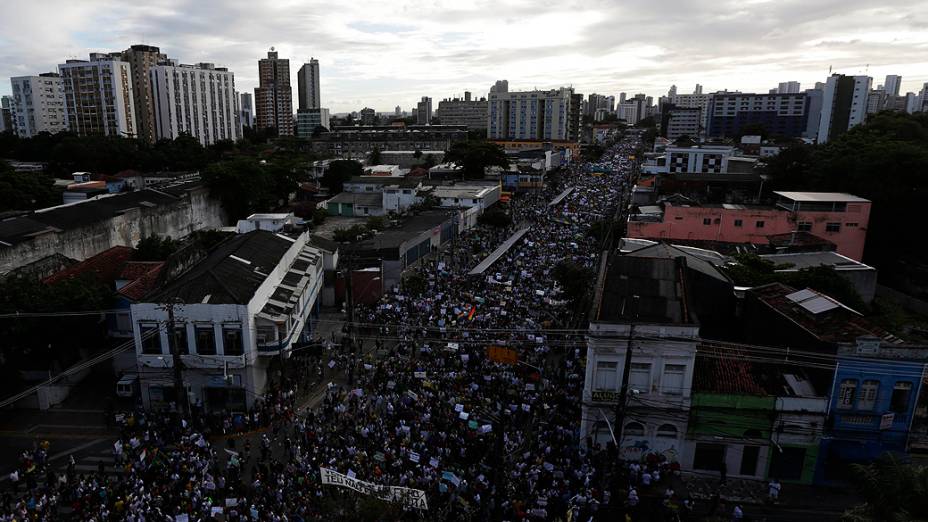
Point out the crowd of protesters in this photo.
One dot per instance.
(472, 397)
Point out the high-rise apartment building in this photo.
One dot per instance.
(780, 114)
(788, 88)
(635, 109)
(500, 86)
(308, 120)
(247, 107)
(534, 115)
(6, 114)
(274, 96)
(689, 101)
(698, 89)
(844, 105)
(463, 111)
(99, 96)
(892, 84)
(307, 79)
(141, 59)
(424, 111)
(599, 101)
(198, 100)
(38, 105)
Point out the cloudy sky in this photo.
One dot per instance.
(391, 52)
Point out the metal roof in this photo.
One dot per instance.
(822, 197)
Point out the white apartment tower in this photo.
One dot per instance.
(788, 88)
(38, 105)
(892, 84)
(198, 100)
(98, 96)
(532, 115)
(307, 79)
(844, 105)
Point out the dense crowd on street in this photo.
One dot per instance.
(484, 439)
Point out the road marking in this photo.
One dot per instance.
(75, 449)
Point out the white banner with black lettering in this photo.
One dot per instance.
(413, 498)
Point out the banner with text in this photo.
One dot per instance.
(413, 498)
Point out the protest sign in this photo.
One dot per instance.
(411, 498)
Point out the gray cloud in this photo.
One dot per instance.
(381, 54)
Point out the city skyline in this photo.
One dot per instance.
(379, 56)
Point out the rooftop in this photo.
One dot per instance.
(822, 197)
(231, 273)
(105, 266)
(368, 199)
(822, 316)
(694, 261)
(728, 370)
(800, 260)
(644, 289)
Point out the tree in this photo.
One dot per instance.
(319, 215)
(646, 123)
(155, 248)
(476, 155)
(414, 284)
(495, 218)
(892, 491)
(376, 223)
(246, 185)
(338, 173)
(374, 158)
(575, 281)
(26, 190)
(350, 234)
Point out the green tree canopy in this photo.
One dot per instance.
(475, 155)
(338, 173)
(246, 185)
(26, 190)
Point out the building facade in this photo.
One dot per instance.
(839, 218)
(6, 114)
(424, 111)
(844, 105)
(228, 333)
(99, 96)
(247, 108)
(307, 80)
(357, 142)
(463, 111)
(141, 58)
(681, 121)
(38, 105)
(198, 100)
(274, 96)
(534, 115)
(780, 114)
(308, 120)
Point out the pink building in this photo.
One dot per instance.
(839, 218)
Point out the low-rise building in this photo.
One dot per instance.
(237, 315)
(702, 159)
(463, 111)
(357, 142)
(840, 218)
(309, 120)
(468, 194)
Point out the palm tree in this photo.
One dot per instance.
(893, 491)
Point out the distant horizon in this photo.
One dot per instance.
(379, 56)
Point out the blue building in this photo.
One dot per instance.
(876, 405)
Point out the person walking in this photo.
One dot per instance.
(773, 490)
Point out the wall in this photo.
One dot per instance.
(687, 223)
(196, 210)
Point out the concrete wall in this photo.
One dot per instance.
(196, 210)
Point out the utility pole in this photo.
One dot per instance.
(179, 389)
(349, 308)
(620, 406)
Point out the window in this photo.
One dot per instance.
(832, 227)
(668, 431)
(867, 398)
(180, 340)
(846, 393)
(759, 224)
(706, 221)
(640, 377)
(851, 225)
(150, 338)
(899, 403)
(739, 223)
(232, 340)
(672, 381)
(605, 375)
(206, 342)
(708, 457)
(634, 429)
(804, 226)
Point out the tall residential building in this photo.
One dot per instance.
(780, 114)
(247, 107)
(698, 89)
(671, 92)
(99, 96)
(38, 105)
(690, 101)
(198, 100)
(274, 96)
(892, 84)
(599, 101)
(6, 114)
(466, 111)
(534, 115)
(844, 105)
(141, 59)
(635, 109)
(677, 122)
(788, 88)
(500, 86)
(424, 111)
(398, 111)
(368, 116)
(307, 79)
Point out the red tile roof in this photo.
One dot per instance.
(145, 283)
(724, 371)
(105, 266)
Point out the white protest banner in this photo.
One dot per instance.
(411, 498)
(419, 375)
